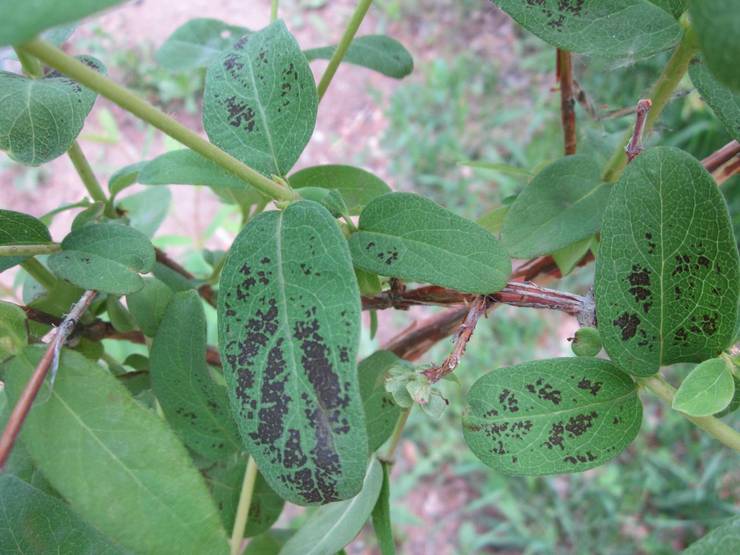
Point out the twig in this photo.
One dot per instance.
(49, 361)
(634, 147)
(567, 100)
(242, 510)
(719, 158)
(205, 290)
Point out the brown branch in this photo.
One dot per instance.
(634, 147)
(718, 159)
(49, 361)
(567, 100)
(205, 290)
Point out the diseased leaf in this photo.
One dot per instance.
(197, 43)
(381, 412)
(334, 525)
(407, 236)
(723, 101)
(723, 539)
(195, 406)
(561, 205)
(357, 186)
(40, 118)
(610, 28)
(104, 257)
(148, 304)
(717, 26)
(147, 496)
(380, 53)
(21, 25)
(382, 516)
(551, 416)
(17, 228)
(707, 389)
(260, 100)
(289, 317)
(13, 330)
(667, 272)
(33, 522)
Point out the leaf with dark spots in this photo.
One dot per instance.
(572, 414)
(260, 100)
(289, 342)
(666, 282)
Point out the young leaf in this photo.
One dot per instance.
(567, 257)
(197, 43)
(17, 228)
(551, 416)
(561, 205)
(195, 406)
(381, 412)
(260, 100)
(667, 272)
(334, 525)
(493, 220)
(380, 53)
(734, 402)
(406, 236)
(40, 118)
(717, 25)
(104, 257)
(13, 330)
(124, 178)
(707, 389)
(357, 186)
(148, 305)
(21, 25)
(289, 318)
(146, 210)
(723, 539)
(382, 516)
(330, 199)
(610, 28)
(723, 101)
(33, 522)
(147, 496)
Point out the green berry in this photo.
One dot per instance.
(586, 343)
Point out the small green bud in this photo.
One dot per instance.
(586, 343)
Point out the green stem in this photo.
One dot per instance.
(714, 427)
(661, 93)
(30, 65)
(86, 173)
(349, 34)
(29, 250)
(38, 272)
(396, 437)
(242, 510)
(274, 10)
(56, 58)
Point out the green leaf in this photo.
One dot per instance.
(33, 522)
(567, 257)
(493, 220)
(561, 205)
(120, 318)
(195, 406)
(197, 43)
(146, 210)
(610, 28)
(148, 305)
(381, 412)
(268, 543)
(380, 53)
(551, 416)
(723, 101)
(289, 319)
(124, 178)
(21, 25)
(667, 272)
(717, 26)
(673, 7)
(17, 228)
(147, 496)
(723, 539)
(104, 257)
(330, 199)
(357, 186)
(40, 118)
(734, 402)
(382, 516)
(13, 330)
(707, 389)
(334, 525)
(260, 100)
(406, 236)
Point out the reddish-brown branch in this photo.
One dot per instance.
(567, 100)
(205, 290)
(634, 147)
(718, 159)
(48, 361)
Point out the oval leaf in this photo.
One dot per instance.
(260, 100)
(104, 257)
(562, 204)
(17, 228)
(381, 412)
(382, 516)
(289, 318)
(40, 118)
(551, 416)
(667, 271)
(13, 330)
(723, 101)
(723, 539)
(380, 53)
(147, 496)
(406, 236)
(197, 43)
(149, 304)
(333, 526)
(195, 406)
(707, 389)
(611, 28)
(717, 26)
